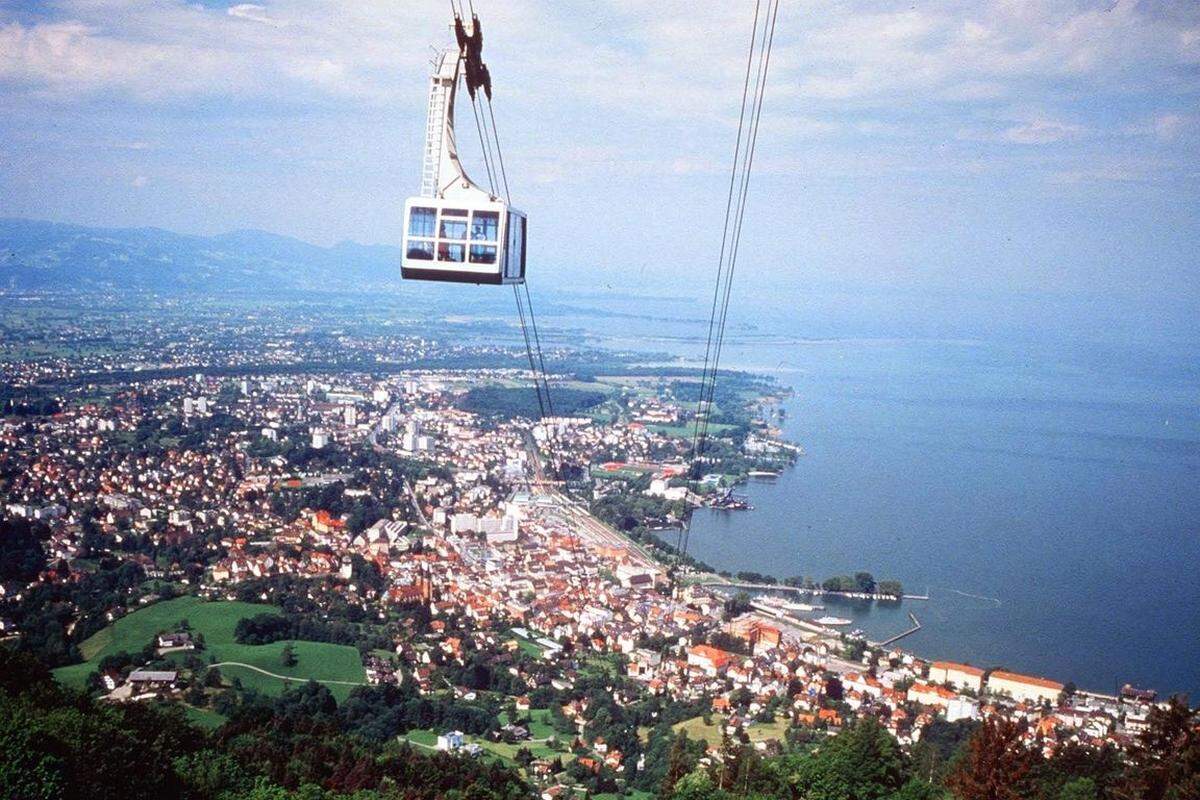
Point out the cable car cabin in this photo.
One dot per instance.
(463, 240)
(455, 230)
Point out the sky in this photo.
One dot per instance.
(1005, 148)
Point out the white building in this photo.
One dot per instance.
(964, 676)
(1024, 687)
(450, 741)
(464, 523)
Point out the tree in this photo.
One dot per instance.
(1104, 767)
(997, 765)
(287, 656)
(697, 785)
(26, 770)
(1079, 789)
(679, 763)
(864, 582)
(863, 762)
(1165, 763)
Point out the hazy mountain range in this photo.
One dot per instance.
(36, 255)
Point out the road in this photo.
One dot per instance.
(286, 677)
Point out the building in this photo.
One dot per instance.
(450, 741)
(930, 695)
(760, 635)
(631, 575)
(963, 676)
(144, 680)
(710, 660)
(179, 640)
(464, 523)
(319, 439)
(1024, 687)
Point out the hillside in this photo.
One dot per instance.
(37, 255)
(257, 666)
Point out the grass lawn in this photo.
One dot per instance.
(685, 431)
(528, 646)
(696, 729)
(425, 738)
(601, 665)
(204, 717)
(758, 731)
(539, 724)
(508, 752)
(421, 738)
(217, 621)
(314, 660)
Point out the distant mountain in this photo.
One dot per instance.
(53, 256)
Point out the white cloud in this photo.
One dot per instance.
(1168, 126)
(666, 56)
(1042, 131)
(254, 13)
(657, 82)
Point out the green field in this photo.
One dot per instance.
(528, 646)
(758, 732)
(686, 431)
(539, 727)
(204, 717)
(217, 621)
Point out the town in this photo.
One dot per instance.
(420, 523)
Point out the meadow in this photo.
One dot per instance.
(338, 666)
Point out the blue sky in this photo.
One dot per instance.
(966, 147)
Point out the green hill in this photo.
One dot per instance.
(338, 665)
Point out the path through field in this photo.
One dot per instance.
(292, 678)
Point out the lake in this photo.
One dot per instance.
(1044, 489)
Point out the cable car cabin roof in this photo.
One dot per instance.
(463, 240)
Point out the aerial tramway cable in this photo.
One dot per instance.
(735, 212)
(493, 157)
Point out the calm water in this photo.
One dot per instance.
(1046, 495)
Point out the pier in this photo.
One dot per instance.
(916, 627)
(779, 587)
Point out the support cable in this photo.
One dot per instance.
(743, 195)
(735, 212)
(695, 451)
(493, 156)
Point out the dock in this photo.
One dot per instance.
(916, 626)
(779, 587)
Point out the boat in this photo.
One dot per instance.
(731, 502)
(805, 607)
(833, 621)
(762, 473)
